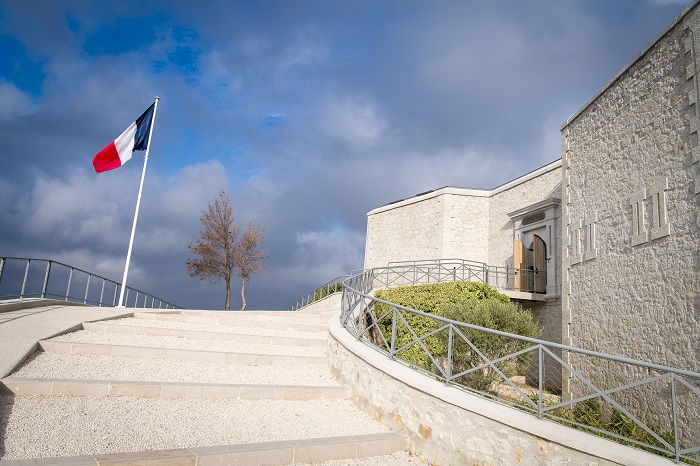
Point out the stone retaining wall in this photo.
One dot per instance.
(447, 426)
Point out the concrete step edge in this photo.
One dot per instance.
(313, 316)
(269, 322)
(222, 357)
(107, 388)
(269, 453)
(240, 337)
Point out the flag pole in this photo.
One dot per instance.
(138, 204)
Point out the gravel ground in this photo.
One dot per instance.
(238, 328)
(93, 367)
(38, 426)
(125, 339)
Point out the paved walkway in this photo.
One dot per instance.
(21, 329)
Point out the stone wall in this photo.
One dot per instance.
(630, 209)
(514, 196)
(447, 223)
(447, 426)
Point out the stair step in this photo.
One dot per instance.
(106, 349)
(253, 320)
(206, 335)
(278, 453)
(136, 389)
(309, 317)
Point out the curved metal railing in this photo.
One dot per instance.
(327, 289)
(22, 278)
(650, 406)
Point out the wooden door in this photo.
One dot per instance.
(520, 265)
(539, 258)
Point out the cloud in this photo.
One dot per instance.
(309, 114)
(15, 103)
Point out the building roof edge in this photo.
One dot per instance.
(629, 65)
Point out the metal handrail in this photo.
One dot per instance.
(441, 270)
(64, 282)
(625, 387)
(330, 287)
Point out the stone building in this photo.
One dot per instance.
(613, 224)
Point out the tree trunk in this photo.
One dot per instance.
(228, 294)
(243, 293)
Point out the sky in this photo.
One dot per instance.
(309, 114)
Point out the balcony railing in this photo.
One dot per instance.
(22, 278)
(527, 280)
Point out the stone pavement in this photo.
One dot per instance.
(23, 324)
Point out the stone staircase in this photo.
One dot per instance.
(192, 387)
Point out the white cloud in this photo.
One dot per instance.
(353, 119)
(15, 103)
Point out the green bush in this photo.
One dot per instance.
(469, 302)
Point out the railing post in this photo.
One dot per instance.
(24, 282)
(2, 267)
(448, 366)
(540, 369)
(102, 291)
(46, 280)
(114, 301)
(70, 279)
(87, 288)
(454, 274)
(392, 348)
(126, 299)
(674, 408)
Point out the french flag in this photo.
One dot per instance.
(119, 151)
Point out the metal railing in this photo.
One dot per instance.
(330, 287)
(441, 270)
(645, 405)
(22, 278)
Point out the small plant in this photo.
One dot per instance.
(469, 302)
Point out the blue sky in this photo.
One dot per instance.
(308, 113)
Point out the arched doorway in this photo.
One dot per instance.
(530, 266)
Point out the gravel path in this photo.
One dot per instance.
(150, 341)
(41, 426)
(94, 367)
(238, 328)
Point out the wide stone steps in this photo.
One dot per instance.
(286, 452)
(240, 336)
(102, 349)
(263, 365)
(71, 387)
(240, 319)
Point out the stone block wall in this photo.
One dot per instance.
(630, 209)
(514, 196)
(448, 223)
(630, 213)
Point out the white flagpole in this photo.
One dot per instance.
(138, 204)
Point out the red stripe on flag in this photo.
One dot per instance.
(107, 159)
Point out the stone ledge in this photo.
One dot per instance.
(269, 453)
(19, 386)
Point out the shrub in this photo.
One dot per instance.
(469, 302)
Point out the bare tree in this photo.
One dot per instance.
(216, 244)
(247, 257)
